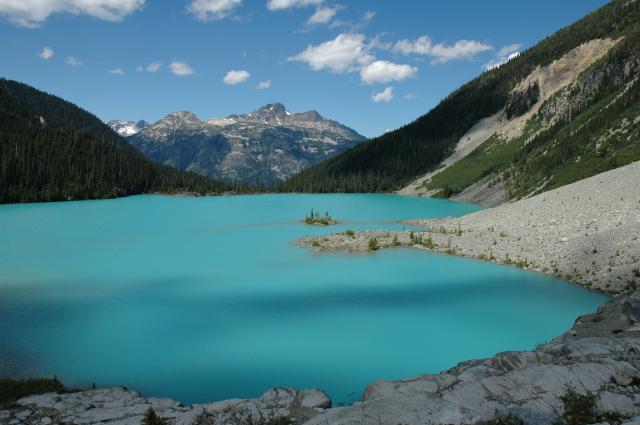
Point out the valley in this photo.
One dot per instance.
(475, 263)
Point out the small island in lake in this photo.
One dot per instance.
(315, 219)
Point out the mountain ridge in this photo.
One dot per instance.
(401, 157)
(266, 145)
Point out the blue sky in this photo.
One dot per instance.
(371, 65)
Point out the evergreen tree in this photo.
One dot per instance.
(151, 418)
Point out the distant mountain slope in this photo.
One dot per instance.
(513, 98)
(52, 150)
(127, 128)
(267, 145)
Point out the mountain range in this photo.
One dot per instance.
(266, 146)
(563, 110)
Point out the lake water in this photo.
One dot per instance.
(201, 299)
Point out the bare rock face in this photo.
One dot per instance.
(122, 406)
(267, 145)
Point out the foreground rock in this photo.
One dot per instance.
(586, 232)
(125, 407)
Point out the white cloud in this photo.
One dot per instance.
(420, 46)
(31, 13)
(441, 53)
(73, 61)
(504, 55)
(153, 67)
(385, 95)
(46, 53)
(500, 61)
(410, 96)
(180, 68)
(212, 10)
(377, 43)
(368, 15)
(264, 85)
(354, 26)
(509, 49)
(236, 77)
(288, 4)
(117, 71)
(384, 72)
(323, 15)
(345, 53)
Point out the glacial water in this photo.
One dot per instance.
(201, 299)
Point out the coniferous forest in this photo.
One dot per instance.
(52, 150)
(390, 161)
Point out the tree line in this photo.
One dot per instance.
(51, 150)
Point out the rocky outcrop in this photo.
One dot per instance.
(267, 145)
(601, 355)
(125, 407)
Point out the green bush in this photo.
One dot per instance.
(151, 418)
(374, 245)
(578, 408)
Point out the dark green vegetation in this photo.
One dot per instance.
(505, 420)
(314, 218)
(580, 409)
(152, 418)
(12, 390)
(51, 150)
(394, 159)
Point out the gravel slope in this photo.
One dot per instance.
(587, 232)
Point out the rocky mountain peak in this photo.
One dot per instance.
(128, 128)
(273, 108)
(182, 116)
(272, 114)
(313, 116)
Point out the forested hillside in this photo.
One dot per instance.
(396, 158)
(52, 150)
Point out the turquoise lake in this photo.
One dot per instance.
(201, 299)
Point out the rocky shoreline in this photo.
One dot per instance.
(586, 232)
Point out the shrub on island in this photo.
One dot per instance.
(314, 218)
